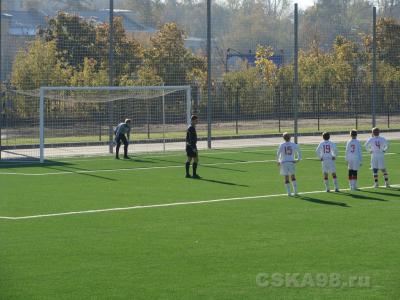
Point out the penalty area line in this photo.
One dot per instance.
(93, 211)
(135, 168)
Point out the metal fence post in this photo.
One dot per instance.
(296, 73)
(374, 68)
(209, 88)
(111, 75)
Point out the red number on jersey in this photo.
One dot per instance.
(353, 148)
(288, 150)
(378, 144)
(327, 148)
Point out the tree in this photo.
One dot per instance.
(169, 58)
(78, 39)
(39, 66)
(128, 53)
(89, 75)
(275, 8)
(266, 66)
(389, 8)
(75, 38)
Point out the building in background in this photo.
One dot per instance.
(19, 27)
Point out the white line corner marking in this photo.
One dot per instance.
(162, 205)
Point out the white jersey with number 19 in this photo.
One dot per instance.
(326, 150)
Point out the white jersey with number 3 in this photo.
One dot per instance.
(353, 154)
(288, 152)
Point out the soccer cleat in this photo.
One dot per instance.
(376, 185)
(188, 176)
(289, 194)
(126, 157)
(327, 190)
(196, 176)
(387, 184)
(117, 157)
(337, 190)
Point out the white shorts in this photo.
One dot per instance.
(328, 166)
(288, 168)
(377, 162)
(354, 164)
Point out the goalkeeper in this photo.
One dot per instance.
(191, 148)
(122, 133)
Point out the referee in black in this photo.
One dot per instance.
(191, 148)
(121, 130)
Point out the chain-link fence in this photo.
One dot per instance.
(346, 76)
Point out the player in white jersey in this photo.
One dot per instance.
(353, 158)
(327, 152)
(377, 146)
(287, 155)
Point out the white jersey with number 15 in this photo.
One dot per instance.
(288, 152)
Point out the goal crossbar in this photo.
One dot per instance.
(162, 89)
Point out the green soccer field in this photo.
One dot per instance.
(99, 228)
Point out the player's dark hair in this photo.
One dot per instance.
(326, 136)
(353, 132)
(286, 136)
(193, 117)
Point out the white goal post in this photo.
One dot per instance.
(164, 106)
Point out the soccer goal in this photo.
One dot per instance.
(58, 122)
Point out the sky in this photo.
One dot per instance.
(303, 4)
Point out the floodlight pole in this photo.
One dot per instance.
(296, 74)
(209, 88)
(111, 75)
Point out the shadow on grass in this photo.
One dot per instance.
(320, 201)
(260, 153)
(363, 197)
(80, 171)
(136, 159)
(30, 164)
(384, 193)
(222, 182)
(224, 159)
(222, 168)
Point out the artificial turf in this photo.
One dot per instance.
(215, 250)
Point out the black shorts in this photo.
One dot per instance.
(190, 151)
(121, 137)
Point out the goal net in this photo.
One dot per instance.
(56, 122)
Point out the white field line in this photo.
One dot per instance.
(316, 158)
(106, 157)
(132, 169)
(146, 168)
(93, 211)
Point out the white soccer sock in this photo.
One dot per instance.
(326, 182)
(294, 183)
(335, 182)
(287, 185)
(352, 184)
